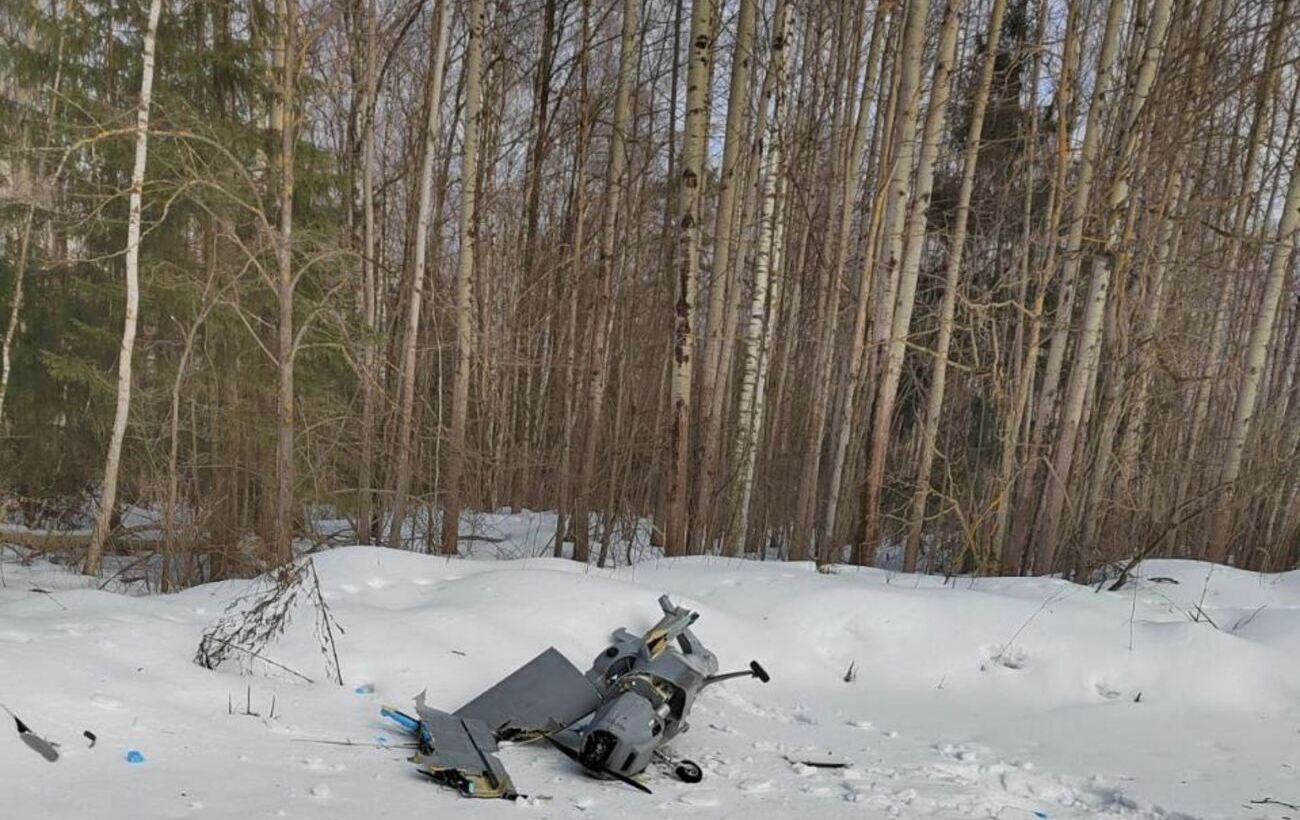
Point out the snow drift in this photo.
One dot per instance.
(1178, 696)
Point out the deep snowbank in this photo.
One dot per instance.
(985, 698)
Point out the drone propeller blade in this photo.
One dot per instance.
(572, 754)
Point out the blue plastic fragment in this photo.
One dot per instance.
(134, 756)
(382, 740)
(365, 689)
(407, 722)
(1041, 814)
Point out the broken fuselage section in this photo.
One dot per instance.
(612, 720)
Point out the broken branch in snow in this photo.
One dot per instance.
(1268, 801)
(249, 629)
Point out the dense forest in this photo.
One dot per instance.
(981, 286)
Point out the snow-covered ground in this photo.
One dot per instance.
(1006, 698)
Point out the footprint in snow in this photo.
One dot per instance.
(965, 752)
(1008, 657)
(105, 702)
(756, 786)
(1107, 691)
(377, 583)
(699, 797)
(14, 636)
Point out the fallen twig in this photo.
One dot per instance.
(262, 658)
(1268, 801)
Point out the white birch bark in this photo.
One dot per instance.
(767, 284)
(104, 517)
(1088, 351)
(690, 185)
(406, 409)
(465, 278)
(1256, 354)
(716, 326)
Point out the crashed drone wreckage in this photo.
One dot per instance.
(612, 721)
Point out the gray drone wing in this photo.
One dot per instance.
(544, 695)
(461, 752)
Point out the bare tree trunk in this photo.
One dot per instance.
(25, 240)
(284, 449)
(952, 273)
(406, 407)
(1261, 122)
(844, 425)
(909, 270)
(711, 393)
(1256, 353)
(766, 298)
(104, 517)
(369, 297)
(699, 74)
(1015, 548)
(208, 302)
(1087, 353)
(615, 186)
(465, 278)
(843, 122)
(570, 294)
(15, 307)
(1017, 418)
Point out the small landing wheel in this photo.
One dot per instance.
(688, 771)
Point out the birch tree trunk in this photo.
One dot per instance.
(1256, 141)
(711, 392)
(911, 246)
(406, 407)
(1171, 233)
(465, 279)
(1088, 350)
(369, 298)
(766, 297)
(1121, 215)
(1256, 353)
(15, 307)
(690, 193)
(952, 273)
(104, 517)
